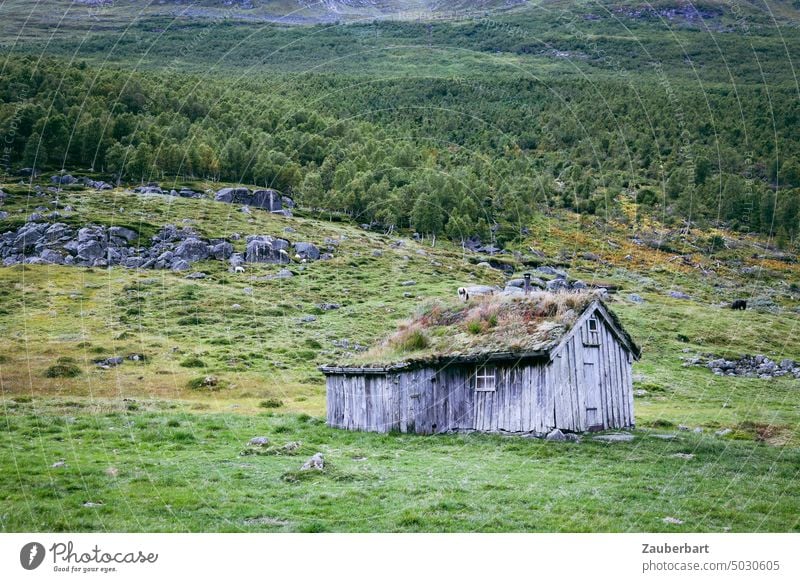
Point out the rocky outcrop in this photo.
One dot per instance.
(266, 199)
(758, 366)
(266, 249)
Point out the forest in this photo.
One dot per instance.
(441, 153)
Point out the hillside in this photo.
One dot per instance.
(200, 205)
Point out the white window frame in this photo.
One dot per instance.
(486, 379)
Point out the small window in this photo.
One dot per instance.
(485, 379)
(593, 325)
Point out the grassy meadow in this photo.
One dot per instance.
(149, 450)
(642, 152)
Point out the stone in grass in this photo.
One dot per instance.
(260, 441)
(723, 432)
(93, 504)
(555, 435)
(665, 436)
(290, 446)
(672, 520)
(686, 456)
(316, 463)
(58, 465)
(616, 437)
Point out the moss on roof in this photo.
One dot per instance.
(479, 328)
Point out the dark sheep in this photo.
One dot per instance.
(739, 304)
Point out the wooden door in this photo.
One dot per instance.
(591, 383)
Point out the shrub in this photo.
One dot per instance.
(63, 370)
(271, 403)
(411, 340)
(204, 383)
(475, 326)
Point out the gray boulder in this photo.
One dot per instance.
(556, 285)
(268, 199)
(265, 249)
(555, 435)
(316, 463)
(64, 180)
(91, 250)
(679, 295)
(230, 195)
(51, 256)
(222, 250)
(192, 250)
(122, 235)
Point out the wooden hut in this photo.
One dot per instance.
(516, 365)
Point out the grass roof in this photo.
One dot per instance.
(479, 328)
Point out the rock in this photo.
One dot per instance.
(3, 214)
(180, 265)
(308, 319)
(231, 195)
(222, 251)
(317, 463)
(555, 435)
(306, 251)
(236, 260)
(196, 275)
(685, 456)
(260, 441)
(617, 437)
(590, 257)
(58, 465)
(679, 295)
(635, 298)
(110, 362)
(192, 250)
(408, 283)
(328, 306)
(267, 199)
(291, 446)
(121, 233)
(93, 504)
(52, 257)
(64, 180)
(265, 249)
(683, 427)
(556, 285)
(552, 271)
(377, 253)
(640, 392)
(287, 202)
(282, 274)
(672, 521)
(91, 251)
(723, 432)
(665, 437)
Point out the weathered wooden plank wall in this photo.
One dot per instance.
(591, 368)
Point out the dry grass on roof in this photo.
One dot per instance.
(497, 323)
